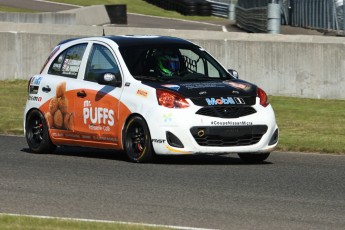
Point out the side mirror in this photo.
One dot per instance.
(233, 73)
(109, 79)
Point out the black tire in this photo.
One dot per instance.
(36, 132)
(253, 158)
(137, 141)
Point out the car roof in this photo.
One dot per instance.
(139, 40)
(135, 40)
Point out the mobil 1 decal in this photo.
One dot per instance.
(225, 101)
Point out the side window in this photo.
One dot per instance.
(198, 64)
(212, 71)
(67, 64)
(101, 61)
(192, 61)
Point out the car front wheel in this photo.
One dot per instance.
(253, 158)
(137, 141)
(37, 135)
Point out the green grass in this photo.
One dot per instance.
(139, 7)
(310, 125)
(19, 10)
(13, 96)
(8, 222)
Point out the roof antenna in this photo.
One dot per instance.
(103, 32)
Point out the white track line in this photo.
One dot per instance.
(107, 221)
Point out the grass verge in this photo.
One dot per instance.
(9, 222)
(13, 9)
(13, 96)
(308, 125)
(139, 7)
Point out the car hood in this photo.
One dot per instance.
(213, 93)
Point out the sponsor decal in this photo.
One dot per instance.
(104, 138)
(237, 85)
(36, 80)
(225, 101)
(88, 120)
(159, 141)
(71, 67)
(231, 123)
(70, 135)
(35, 98)
(55, 134)
(98, 118)
(58, 115)
(173, 87)
(203, 85)
(142, 93)
(167, 117)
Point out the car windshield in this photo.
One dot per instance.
(171, 63)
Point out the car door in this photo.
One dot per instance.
(58, 86)
(96, 116)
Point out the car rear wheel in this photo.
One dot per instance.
(37, 136)
(253, 158)
(137, 141)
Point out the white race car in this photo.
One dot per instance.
(146, 95)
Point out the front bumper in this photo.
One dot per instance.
(181, 131)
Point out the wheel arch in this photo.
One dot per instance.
(26, 117)
(125, 124)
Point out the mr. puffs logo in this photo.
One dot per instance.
(225, 101)
(97, 115)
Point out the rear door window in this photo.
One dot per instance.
(67, 64)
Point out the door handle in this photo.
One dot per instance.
(46, 89)
(81, 94)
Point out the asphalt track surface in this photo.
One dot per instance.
(289, 191)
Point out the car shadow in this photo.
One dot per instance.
(84, 152)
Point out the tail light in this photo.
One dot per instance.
(170, 99)
(263, 97)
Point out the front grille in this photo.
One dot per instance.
(228, 136)
(226, 112)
